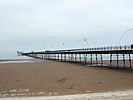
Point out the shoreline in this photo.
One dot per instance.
(114, 95)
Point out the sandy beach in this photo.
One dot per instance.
(49, 78)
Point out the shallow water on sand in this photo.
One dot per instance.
(13, 58)
(16, 61)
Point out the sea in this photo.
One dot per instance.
(14, 58)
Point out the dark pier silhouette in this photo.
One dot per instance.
(112, 57)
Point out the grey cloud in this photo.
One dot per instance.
(67, 20)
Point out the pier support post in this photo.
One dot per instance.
(96, 60)
(42, 56)
(130, 60)
(75, 57)
(80, 58)
(91, 59)
(124, 60)
(117, 60)
(72, 57)
(110, 60)
(58, 57)
(49, 56)
(65, 57)
(101, 60)
(55, 56)
(61, 58)
(69, 58)
(84, 59)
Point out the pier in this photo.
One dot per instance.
(112, 57)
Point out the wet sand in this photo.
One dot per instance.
(116, 95)
(60, 78)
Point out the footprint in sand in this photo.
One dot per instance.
(19, 81)
(99, 82)
(63, 80)
(71, 86)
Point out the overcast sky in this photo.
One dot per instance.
(51, 24)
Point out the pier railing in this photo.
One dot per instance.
(125, 47)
